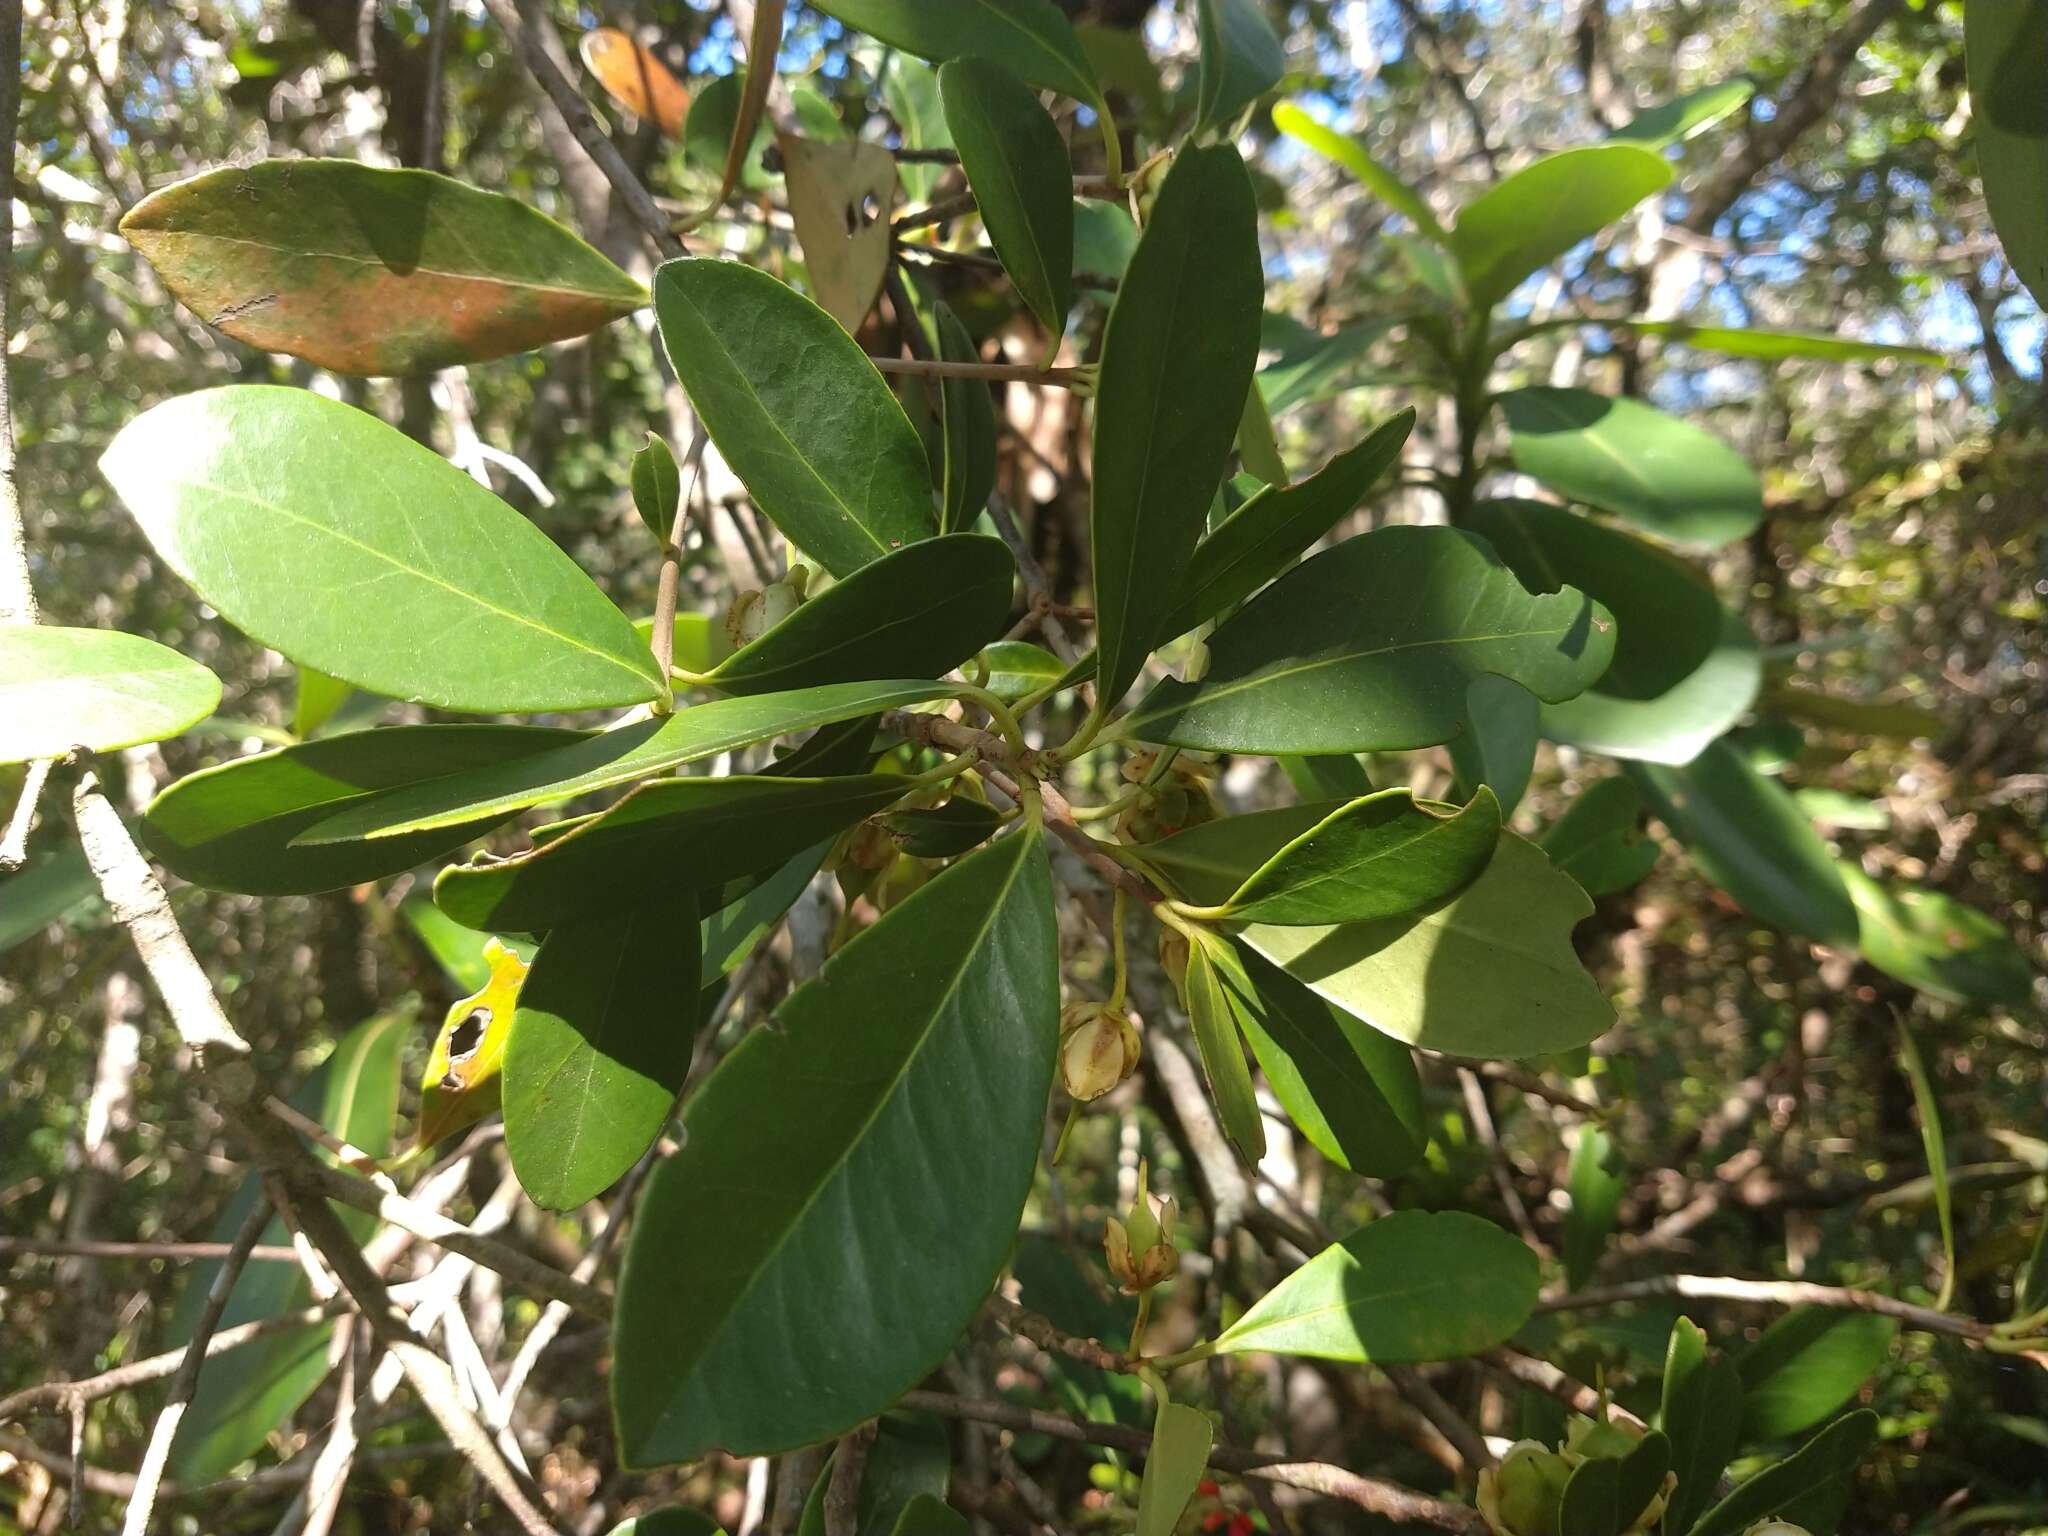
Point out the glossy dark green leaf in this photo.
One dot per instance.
(1177, 360)
(618, 756)
(1809, 1488)
(728, 935)
(599, 1048)
(921, 610)
(1181, 1439)
(1664, 475)
(1497, 748)
(1749, 837)
(1022, 178)
(1352, 1091)
(230, 828)
(1370, 647)
(1382, 855)
(258, 496)
(1702, 1418)
(1416, 1285)
(968, 421)
(1213, 1009)
(1241, 60)
(247, 1393)
(1595, 1182)
(688, 833)
(1017, 667)
(1936, 943)
(1522, 224)
(93, 688)
(1806, 1365)
(1605, 1494)
(1676, 120)
(657, 487)
(1032, 38)
(1599, 840)
(944, 831)
(797, 410)
(2006, 45)
(1104, 239)
(373, 271)
(1350, 153)
(908, 1466)
(1264, 535)
(885, 1134)
(929, 1515)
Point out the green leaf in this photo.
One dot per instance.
(1241, 61)
(1933, 1144)
(49, 890)
(1017, 667)
(231, 828)
(1370, 646)
(1675, 121)
(2030, 1291)
(657, 487)
(920, 610)
(1181, 1439)
(1031, 37)
(945, 831)
(1498, 750)
(910, 88)
(372, 271)
(910, 1460)
(708, 130)
(618, 756)
(315, 698)
(1662, 474)
(1213, 1009)
(1177, 360)
(93, 688)
(1416, 1285)
(885, 1135)
(599, 1048)
(1678, 725)
(258, 496)
(248, 1392)
(1264, 535)
(1857, 717)
(1776, 346)
(1809, 1488)
(1382, 855)
(1605, 1494)
(797, 410)
(691, 833)
(1596, 1182)
(2006, 45)
(1316, 367)
(728, 935)
(1599, 839)
(1702, 1417)
(457, 950)
(1936, 943)
(1323, 777)
(1104, 238)
(1806, 1365)
(673, 1520)
(968, 421)
(1258, 449)
(1748, 836)
(1023, 182)
(929, 1515)
(1352, 1091)
(1350, 153)
(700, 641)
(1522, 224)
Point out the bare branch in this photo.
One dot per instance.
(1773, 1293)
(14, 843)
(842, 1494)
(17, 594)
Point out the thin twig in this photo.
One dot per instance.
(1774, 1293)
(1548, 1379)
(1042, 1332)
(54, 1248)
(17, 593)
(14, 842)
(842, 1494)
(1014, 373)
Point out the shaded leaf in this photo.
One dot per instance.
(1018, 667)
(673, 1520)
(636, 79)
(1596, 1181)
(98, 689)
(1676, 120)
(1809, 1488)
(315, 698)
(944, 831)
(1806, 1365)
(1031, 37)
(728, 935)
(657, 487)
(1523, 223)
(2006, 45)
(1350, 153)
(1316, 368)
(1241, 60)
(929, 1515)
(1702, 1418)
(764, 41)
(1677, 725)
(1936, 943)
(1599, 840)
(908, 1465)
(1181, 1438)
(1104, 238)
(968, 420)
(840, 196)
(1213, 1010)
(1605, 1494)
(1497, 748)
(372, 271)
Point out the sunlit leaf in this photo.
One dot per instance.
(1936, 943)
(1181, 1438)
(636, 79)
(1675, 121)
(1350, 153)
(840, 196)
(1523, 223)
(98, 689)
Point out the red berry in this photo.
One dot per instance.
(1207, 1488)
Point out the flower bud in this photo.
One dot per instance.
(1173, 956)
(1140, 1248)
(1524, 1494)
(1594, 1439)
(753, 614)
(1098, 1049)
(1178, 801)
(1776, 1528)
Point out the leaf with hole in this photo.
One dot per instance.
(840, 195)
(257, 495)
(1523, 223)
(98, 689)
(371, 271)
(907, 1084)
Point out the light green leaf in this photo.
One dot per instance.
(1747, 835)
(230, 828)
(1675, 121)
(258, 496)
(1213, 1009)
(93, 688)
(1776, 346)
(922, 609)
(1678, 725)
(1599, 839)
(1370, 646)
(1031, 37)
(618, 756)
(1350, 153)
(1416, 1285)
(1181, 1438)
(459, 951)
(1522, 224)
(1702, 1418)
(700, 641)
(599, 1048)
(2006, 45)
(1596, 1181)
(1258, 449)
(1241, 61)
(1931, 1140)
(1177, 360)
(315, 698)
(968, 421)
(1809, 1488)
(1017, 667)
(657, 485)
(1497, 750)
(1317, 367)
(690, 833)
(1945, 948)
(1023, 182)
(885, 1135)
(1352, 1091)
(1664, 475)
(373, 271)
(797, 410)
(674, 1520)
(1806, 1365)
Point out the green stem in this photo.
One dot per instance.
(1193, 1355)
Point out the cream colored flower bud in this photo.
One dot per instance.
(1099, 1049)
(1776, 1528)
(1523, 1495)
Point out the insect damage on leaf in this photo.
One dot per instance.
(462, 1083)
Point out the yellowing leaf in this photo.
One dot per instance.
(634, 78)
(840, 195)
